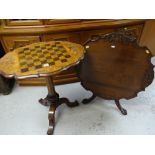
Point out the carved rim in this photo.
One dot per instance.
(125, 37)
(143, 87)
(130, 39)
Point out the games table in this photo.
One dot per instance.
(43, 59)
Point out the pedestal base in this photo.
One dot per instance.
(122, 110)
(54, 101)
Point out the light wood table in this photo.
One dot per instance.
(43, 59)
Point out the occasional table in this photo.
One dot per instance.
(115, 67)
(43, 59)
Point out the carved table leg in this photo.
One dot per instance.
(68, 103)
(123, 111)
(53, 100)
(88, 100)
(51, 118)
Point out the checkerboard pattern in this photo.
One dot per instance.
(42, 55)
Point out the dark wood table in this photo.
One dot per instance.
(115, 67)
(43, 59)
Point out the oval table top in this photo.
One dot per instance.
(40, 59)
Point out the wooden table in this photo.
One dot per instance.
(43, 59)
(118, 66)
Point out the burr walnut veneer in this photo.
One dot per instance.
(43, 59)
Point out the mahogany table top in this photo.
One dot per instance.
(118, 66)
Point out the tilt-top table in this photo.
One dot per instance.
(118, 66)
(43, 59)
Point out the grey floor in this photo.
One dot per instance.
(20, 113)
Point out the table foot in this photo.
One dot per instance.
(49, 99)
(54, 102)
(88, 100)
(51, 118)
(123, 111)
(68, 103)
(52, 109)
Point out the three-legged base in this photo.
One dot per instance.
(53, 100)
(122, 110)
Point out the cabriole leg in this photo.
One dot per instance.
(53, 100)
(88, 100)
(51, 118)
(123, 111)
(68, 103)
